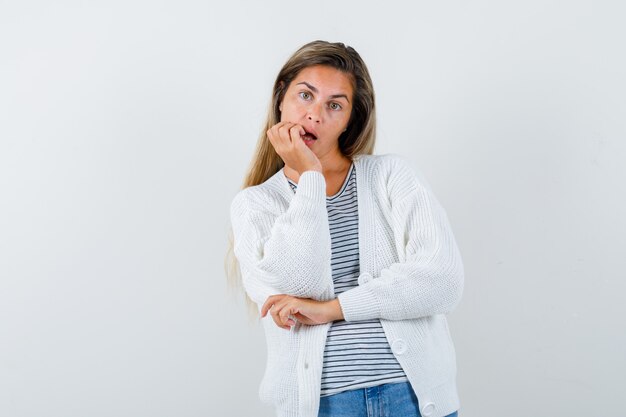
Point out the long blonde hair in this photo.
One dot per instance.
(359, 138)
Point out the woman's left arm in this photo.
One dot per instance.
(429, 277)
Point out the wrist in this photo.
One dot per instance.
(335, 312)
(312, 168)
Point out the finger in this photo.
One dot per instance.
(283, 132)
(274, 129)
(296, 132)
(282, 123)
(277, 311)
(272, 132)
(269, 302)
(288, 310)
(266, 306)
(304, 319)
(278, 320)
(279, 140)
(281, 312)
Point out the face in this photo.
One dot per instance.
(319, 99)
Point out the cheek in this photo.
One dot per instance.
(290, 110)
(342, 122)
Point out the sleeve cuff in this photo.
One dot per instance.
(359, 303)
(312, 184)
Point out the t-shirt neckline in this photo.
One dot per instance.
(343, 186)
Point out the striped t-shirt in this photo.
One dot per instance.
(357, 354)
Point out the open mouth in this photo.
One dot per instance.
(308, 136)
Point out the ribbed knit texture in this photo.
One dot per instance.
(411, 275)
(357, 353)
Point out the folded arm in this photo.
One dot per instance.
(428, 278)
(288, 252)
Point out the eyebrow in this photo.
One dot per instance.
(315, 91)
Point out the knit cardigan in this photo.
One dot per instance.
(411, 275)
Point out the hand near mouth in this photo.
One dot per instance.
(288, 140)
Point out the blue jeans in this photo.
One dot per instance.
(388, 400)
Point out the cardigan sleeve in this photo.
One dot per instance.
(286, 252)
(428, 279)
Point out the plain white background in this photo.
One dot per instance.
(126, 129)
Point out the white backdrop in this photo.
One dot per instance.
(126, 128)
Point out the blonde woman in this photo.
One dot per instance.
(348, 256)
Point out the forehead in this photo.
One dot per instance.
(326, 79)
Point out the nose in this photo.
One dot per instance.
(314, 113)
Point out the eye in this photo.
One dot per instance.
(335, 106)
(305, 95)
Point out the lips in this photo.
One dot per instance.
(308, 135)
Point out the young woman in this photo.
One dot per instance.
(347, 255)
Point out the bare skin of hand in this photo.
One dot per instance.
(307, 311)
(286, 138)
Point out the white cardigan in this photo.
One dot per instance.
(411, 275)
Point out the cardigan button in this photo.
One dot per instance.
(306, 365)
(398, 346)
(364, 278)
(428, 409)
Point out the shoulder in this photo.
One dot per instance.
(394, 170)
(387, 161)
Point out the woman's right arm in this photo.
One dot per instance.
(288, 252)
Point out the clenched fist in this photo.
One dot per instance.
(286, 137)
